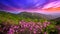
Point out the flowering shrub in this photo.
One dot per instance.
(26, 28)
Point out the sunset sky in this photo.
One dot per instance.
(39, 6)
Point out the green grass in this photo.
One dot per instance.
(15, 18)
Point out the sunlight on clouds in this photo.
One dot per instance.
(52, 5)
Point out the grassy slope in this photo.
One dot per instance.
(15, 18)
(57, 20)
(8, 17)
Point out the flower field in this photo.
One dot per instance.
(25, 27)
(26, 23)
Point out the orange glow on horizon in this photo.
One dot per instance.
(53, 9)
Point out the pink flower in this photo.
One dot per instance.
(45, 32)
(34, 32)
(22, 30)
(30, 28)
(11, 31)
(44, 24)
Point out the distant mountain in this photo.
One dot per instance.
(37, 15)
(30, 15)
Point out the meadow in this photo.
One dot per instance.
(25, 23)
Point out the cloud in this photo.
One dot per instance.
(54, 4)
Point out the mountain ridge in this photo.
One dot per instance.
(39, 15)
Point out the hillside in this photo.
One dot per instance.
(37, 15)
(8, 17)
(15, 18)
(57, 20)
